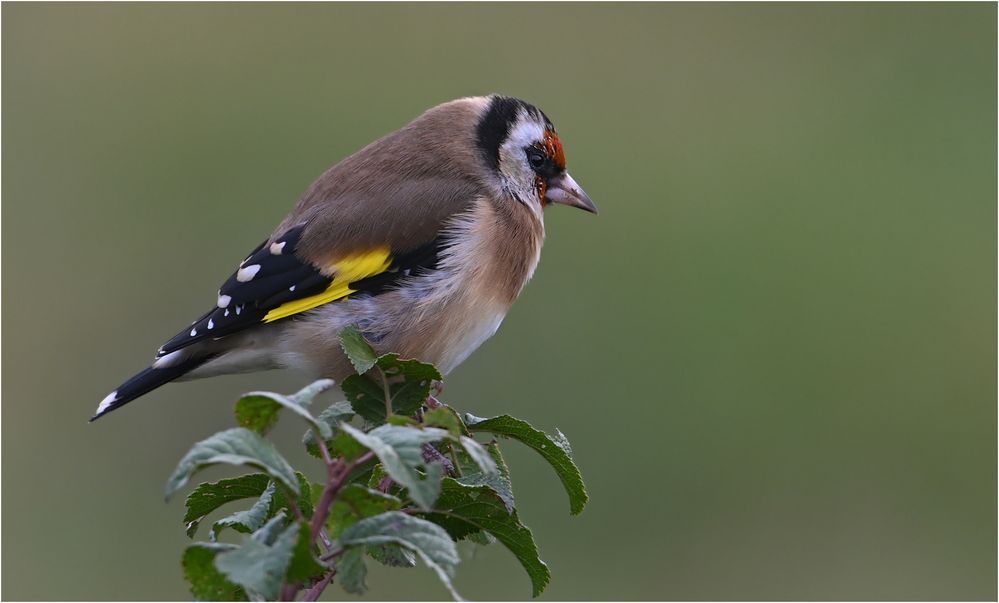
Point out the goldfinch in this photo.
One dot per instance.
(423, 239)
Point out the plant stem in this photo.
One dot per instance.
(317, 589)
(338, 471)
(388, 394)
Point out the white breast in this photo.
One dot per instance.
(468, 336)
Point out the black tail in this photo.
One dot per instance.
(145, 382)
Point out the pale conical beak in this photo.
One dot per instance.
(563, 189)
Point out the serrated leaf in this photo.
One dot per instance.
(237, 446)
(355, 502)
(366, 397)
(479, 455)
(481, 537)
(392, 555)
(258, 567)
(499, 481)
(303, 500)
(417, 377)
(210, 496)
(377, 475)
(304, 566)
(305, 396)
(207, 582)
(249, 520)
(402, 421)
(446, 418)
(400, 450)
(259, 410)
(429, 541)
(357, 349)
(350, 570)
(555, 450)
(269, 532)
(338, 412)
(409, 386)
(474, 508)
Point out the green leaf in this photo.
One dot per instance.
(208, 497)
(269, 532)
(417, 377)
(479, 454)
(409, 386)
(392, 555)
(207, 583)
(480, 537)
(429, 541)
(303, 500)
(357, 349)
(259, 410)
(237, 446)
(350, 570)
(258, 567)
(555, 450)
(304, 566)
(474, 508)
(403, 421)
(446, 418)
(499, 481)
(400, 450)
(247, 521)
(366, 397)
(305, 396)
(355, 502)
(377, 475)
(338, 412)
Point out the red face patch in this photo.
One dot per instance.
(553, 146)
(541, 188)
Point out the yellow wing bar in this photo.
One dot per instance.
(345, 271)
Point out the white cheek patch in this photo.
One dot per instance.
(518, 176)
(525, 133)
(513, 160)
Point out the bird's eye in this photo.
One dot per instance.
(536, 159)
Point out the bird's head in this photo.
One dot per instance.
(521, 147)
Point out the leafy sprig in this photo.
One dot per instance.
(405, 485)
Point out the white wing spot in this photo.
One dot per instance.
(107, 402)
(224, 301)
(246, 274)
(238, 310)
(291, 288)
(194, 332)
(211, 324)
(168, 360)
(226, 312)
(277, 248)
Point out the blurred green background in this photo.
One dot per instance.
(774, 350)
